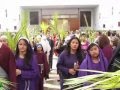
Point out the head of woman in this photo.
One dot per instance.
(74, 45)
(38, 48)
(24, 48)
(103, 41)
(4, 39)
(93, 50)
(83, 37)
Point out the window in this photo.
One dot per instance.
(85, 15)
(103, 25)
(34, 18)
(15, 27)
(118, 24)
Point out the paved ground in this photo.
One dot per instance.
(52, 83)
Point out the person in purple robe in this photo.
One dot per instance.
(69, 60)
(27, 70)
(104, 44)
(43, 64)
(94, 60)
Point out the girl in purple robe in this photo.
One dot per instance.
(27, 70)
(43, 63)
(69, 60)
(94, 60)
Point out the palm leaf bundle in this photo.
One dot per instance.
(5, 84)
(44, 27)
(102, 81)
(54, 24)
(22, 32)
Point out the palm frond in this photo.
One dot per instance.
(103, 80)
(5, 84)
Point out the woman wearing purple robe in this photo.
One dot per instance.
(94, 60)
(69, 60)
(27, 71)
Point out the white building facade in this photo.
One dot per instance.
(101, 14)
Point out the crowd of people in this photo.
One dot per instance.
(80, 53)
(31, 62)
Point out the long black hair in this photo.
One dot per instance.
(29, 52)
(79, 50)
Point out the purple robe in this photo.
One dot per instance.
(90, 65)
(29, 75)
(42, 59)
(66, 62)
(108, 52)
(7, 62)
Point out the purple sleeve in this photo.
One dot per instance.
(61, 66)
(83, 66)
(34, 72)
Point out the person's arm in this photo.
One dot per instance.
(46, 66)
(12, 67)
(60, 64)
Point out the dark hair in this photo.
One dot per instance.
(79, 50)
(114, 33)
(109, 33)
(28, 55)
(83, 34)
(115, 41)
(103, 41)
(91, 45)
(100, 33)
(35, 48)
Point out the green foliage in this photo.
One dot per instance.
(4, 84)
(44, 27)
(57, 28)
(54, 24)
(104, 81)
(23, 32)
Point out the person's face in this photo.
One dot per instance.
(97, 34)
(94, 51)
(74, 44)
(39, 49)
(3, 41)
(83, 37)
(22, 46)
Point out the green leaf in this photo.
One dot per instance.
(104, 80)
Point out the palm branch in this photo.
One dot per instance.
(5, 84)
(103, 80)
(44, 27)
(12, 40)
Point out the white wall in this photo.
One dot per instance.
(12, 18)
(104, 12)
(101, 15)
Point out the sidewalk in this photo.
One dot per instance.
(52, 83)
